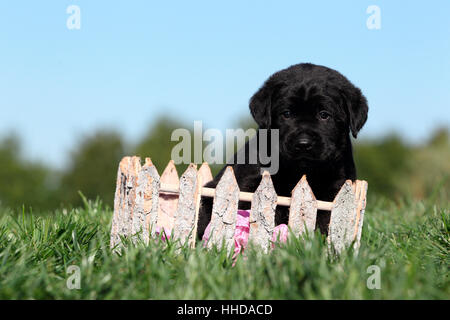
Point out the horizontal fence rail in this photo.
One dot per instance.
(244, 196)
(146, 204)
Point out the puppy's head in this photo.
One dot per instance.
(314, 108)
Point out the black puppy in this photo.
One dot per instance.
(314, 108)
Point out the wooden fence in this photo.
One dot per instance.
(145, 202)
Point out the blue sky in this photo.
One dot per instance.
(202, 60)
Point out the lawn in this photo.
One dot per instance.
(407, 240)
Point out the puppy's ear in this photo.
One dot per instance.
(357, 110)
(261, 104)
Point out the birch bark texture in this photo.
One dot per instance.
(262, 214)
(186, 215)
(303, 209)
(224, 212)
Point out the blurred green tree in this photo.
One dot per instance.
(431, 165)
(384, 163)
(157, 145)
(92, 168)
(22, 181)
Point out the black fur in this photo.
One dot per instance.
(323, 108)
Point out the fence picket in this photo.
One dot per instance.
(125, 198)
(341, 228)
(186, 215)
(360, 213)
(168, 201)
(303, 209)
(262, 214)
(146, 204)
(205, 173)
(225, 207)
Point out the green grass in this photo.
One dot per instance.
(408, 240)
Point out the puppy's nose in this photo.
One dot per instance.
(304, 144)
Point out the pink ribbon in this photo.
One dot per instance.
(280, 233)
(242, 232)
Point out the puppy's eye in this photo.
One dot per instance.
(323, 115)
(286, 114)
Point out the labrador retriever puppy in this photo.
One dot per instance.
(315, 109)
